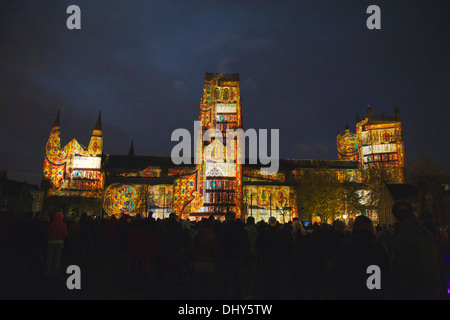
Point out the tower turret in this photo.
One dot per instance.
(53, 150)
(55, 156)
(96, 142)
(54, 139)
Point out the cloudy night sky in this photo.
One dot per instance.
(306, 68)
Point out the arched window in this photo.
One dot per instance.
(225, 94)
(231, 93)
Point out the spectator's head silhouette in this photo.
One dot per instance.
(402, 210)
(272, 221)
(173, 216)
(363, 224)
(339, 226)
(230, 216)
(251, 221)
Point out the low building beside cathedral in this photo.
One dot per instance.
(73, 177)
(83, 178)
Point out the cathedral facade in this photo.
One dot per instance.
(214, 182)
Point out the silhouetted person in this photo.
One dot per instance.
(110, 234)
(73, 241)
(337, 236)
(23, 242)
(270, 245)
(186, 248)
(316, 251)
(204, 254)
(233, 249)
(121, 247)
(137, 251)
(250, 266)
(350, 268)
(415, 257)
(298, 257)
(384, 236)
(170, 254)
(56, 233)
(86, 238)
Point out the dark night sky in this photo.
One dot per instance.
(306, 68)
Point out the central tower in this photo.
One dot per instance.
(220, 113)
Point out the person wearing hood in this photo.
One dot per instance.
(415, 262)
(56, 233)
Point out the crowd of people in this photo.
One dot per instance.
(231, 259)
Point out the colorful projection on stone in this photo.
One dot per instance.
(382, 147)
(149, 172)
(377, 143)
(264, 201)
(132, 199)
(343, 175)
(74, 170)
(216, 185)
(347, 146)
(122, 199)
(160, 196)
(382, 144)
(187, 189)
(256, 175)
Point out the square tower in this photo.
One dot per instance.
(378, 143)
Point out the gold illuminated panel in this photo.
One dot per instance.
(260, 175)
(149, 172)
(121, 199)
(342, 175)
(264, 201)
(225, 108)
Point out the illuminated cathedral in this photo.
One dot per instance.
(156, 186)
